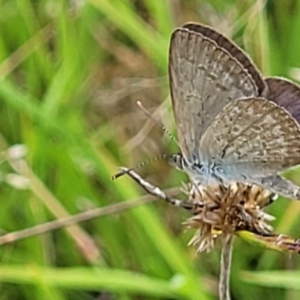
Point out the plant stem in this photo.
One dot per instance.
(224, 293)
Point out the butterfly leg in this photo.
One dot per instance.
(153, 190)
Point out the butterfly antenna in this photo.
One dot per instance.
(142, 164)
(163, 156)
(148, 114)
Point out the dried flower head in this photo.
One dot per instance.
(220, 211)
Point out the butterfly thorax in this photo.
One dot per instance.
(200, 172)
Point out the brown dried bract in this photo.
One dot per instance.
(219, 211)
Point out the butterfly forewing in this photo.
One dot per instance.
(252, 138)
(203, 79)
(226, 44)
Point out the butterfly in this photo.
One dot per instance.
(233, 125)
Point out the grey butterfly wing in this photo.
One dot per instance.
(204, 77)
(235, 51)
(279, 185)
(286, 94)
(252, 138)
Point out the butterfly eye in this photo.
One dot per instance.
(176, 160)
(199, 166)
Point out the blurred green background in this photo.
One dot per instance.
(70, 75)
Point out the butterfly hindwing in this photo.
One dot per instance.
(252, 138)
